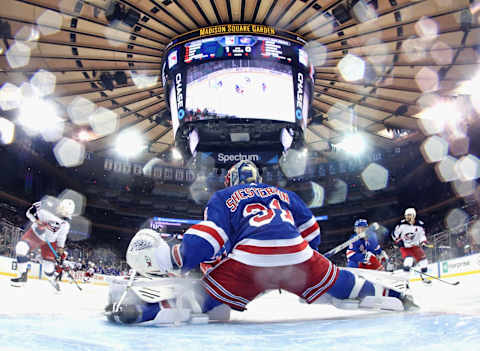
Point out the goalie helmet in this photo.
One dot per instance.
(66, 208)
(148, 254)
(242, 172)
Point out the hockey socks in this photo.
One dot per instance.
(350, 286)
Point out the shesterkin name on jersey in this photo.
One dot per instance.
(245, 193)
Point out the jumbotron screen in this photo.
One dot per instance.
(212, 75)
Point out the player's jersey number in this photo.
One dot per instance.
(264, 215)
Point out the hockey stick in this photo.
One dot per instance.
(342, 246)
(372, 229)
(116, 306)
(433, 277)
(68, 271)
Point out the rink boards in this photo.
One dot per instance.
(8, 268)
(444, 269)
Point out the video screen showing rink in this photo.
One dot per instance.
(242, 91)
(37, 318)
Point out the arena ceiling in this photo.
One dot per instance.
(417, 52)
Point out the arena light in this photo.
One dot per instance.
(353, 144)
(351, 68)
(286, 137)
(7, 131)
(10, 97)
(129, 144)
(362, 11)
(37, 115)
(193, 140)
(84, 135)
(436, 118)
(142, 81)
(176, 154)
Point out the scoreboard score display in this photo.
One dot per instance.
(243, 71)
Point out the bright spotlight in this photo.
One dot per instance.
(176, 154)
(38, 116)
(7, 131)
(434, 119)
(353, 144)
(143, 81)
(351, 68)
(84, 135)
(129, 144)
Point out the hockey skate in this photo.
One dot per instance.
(53, 282)
(19, 281)
(425, 280)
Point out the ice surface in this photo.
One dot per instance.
(37, 318)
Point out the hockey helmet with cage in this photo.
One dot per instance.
(361, 223)
(148, 254)
(66, 208)
(243, 172)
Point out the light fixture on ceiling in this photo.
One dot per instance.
(341, 14)
(106, 80)
(120, 77)
(363, 11)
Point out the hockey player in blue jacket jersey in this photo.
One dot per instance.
(270, 239)
(363, 252)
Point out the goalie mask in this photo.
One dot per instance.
(66, 208)
(149, 254)
(242, 172)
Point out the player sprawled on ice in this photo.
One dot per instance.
(365, 252)
(270, 238)
(410, 237)
(50, 225)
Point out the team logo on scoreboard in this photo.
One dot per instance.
(179, 93)
(300, 91)
(172, 59)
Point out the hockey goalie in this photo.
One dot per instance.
(269, 238)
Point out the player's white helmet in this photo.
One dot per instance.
(410, 211)
(242, 172)
(149, 254)
(66, 208)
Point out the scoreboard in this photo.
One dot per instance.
(237, 46)
(238, 71)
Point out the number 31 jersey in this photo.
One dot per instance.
(259, 225)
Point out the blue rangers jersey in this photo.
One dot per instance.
(256, 224)
(357, 250)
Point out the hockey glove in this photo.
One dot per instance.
(368, 257)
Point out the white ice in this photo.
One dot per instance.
(37, 318)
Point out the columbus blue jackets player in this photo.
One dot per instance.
(363, 252)
(270, 237)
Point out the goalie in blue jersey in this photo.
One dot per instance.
(269, 240)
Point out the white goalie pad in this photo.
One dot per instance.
(381, 303)
(396, 282)
(177, 293)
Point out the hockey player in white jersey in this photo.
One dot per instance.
(50, 225)
(409, 235)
